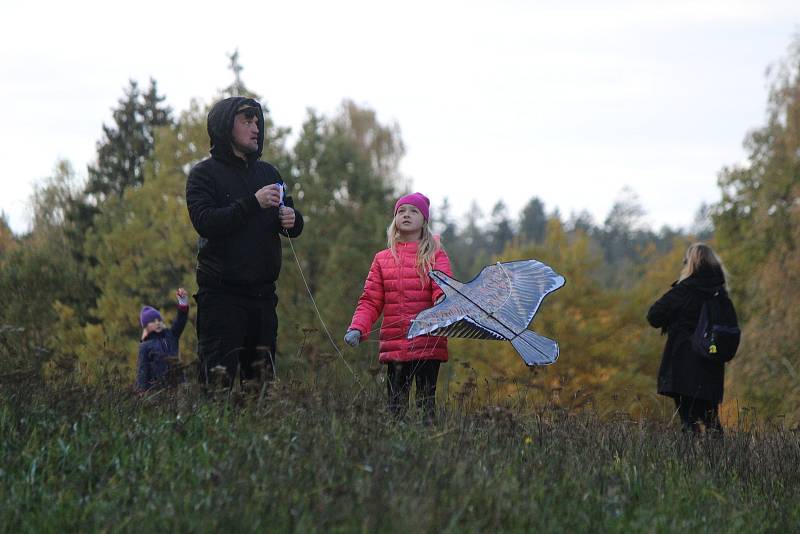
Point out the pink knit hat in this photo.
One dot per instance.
(418, 200)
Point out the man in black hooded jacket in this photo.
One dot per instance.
(237, 206)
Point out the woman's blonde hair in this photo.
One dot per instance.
(427, 247)
(698, 255)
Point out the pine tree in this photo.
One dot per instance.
(122, 154)
(501, 232)
(443, 224)
(127, 145)
(533, 221)
(472, 251)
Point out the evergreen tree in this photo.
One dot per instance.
(471, 251)
(126, 147)
(128, 144)
(443, 224)
(621, 225)
(533, 221)
(623, 238)
(501, 232)
(581, 221)
(237, 86)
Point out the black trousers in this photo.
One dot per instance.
(399, 377)
(694, 411)
(237, 335)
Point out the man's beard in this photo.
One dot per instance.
(244, 149)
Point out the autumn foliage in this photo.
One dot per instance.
(72, 287)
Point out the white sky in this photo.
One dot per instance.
(569, 101)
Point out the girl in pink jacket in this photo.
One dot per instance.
(399, 287)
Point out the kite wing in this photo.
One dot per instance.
(450, 318)
(459, 314)
(499, 303)
(530, 282)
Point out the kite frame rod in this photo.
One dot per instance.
(490, 314)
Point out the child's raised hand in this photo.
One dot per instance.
(352, 337)
(182, 296)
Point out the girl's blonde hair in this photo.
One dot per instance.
(698, 255)
(427, 247)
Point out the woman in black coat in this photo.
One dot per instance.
(695, 383)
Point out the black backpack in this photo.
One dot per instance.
(717, 334)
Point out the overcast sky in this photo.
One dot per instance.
(568, 101)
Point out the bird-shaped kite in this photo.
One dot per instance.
(497, 304)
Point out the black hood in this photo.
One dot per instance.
(706, 279)
(220, 127)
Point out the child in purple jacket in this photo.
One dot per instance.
(159, 344)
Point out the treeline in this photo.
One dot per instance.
(98, 251)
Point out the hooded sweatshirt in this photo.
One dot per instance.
(239, 245)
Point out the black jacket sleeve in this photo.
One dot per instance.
(180, 321)
(663, 312)
(208, 219)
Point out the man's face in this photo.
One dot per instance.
(245, 131)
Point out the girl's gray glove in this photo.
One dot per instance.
(352, 338)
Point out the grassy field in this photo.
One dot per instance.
(323, 456)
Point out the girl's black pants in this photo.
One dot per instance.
(399, 377)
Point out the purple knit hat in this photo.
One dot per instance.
(147, 315)
(418, 200)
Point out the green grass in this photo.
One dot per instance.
(325, 457)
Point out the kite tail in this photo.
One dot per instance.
(535, 349)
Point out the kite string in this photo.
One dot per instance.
(325, 327)
(319, 315)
